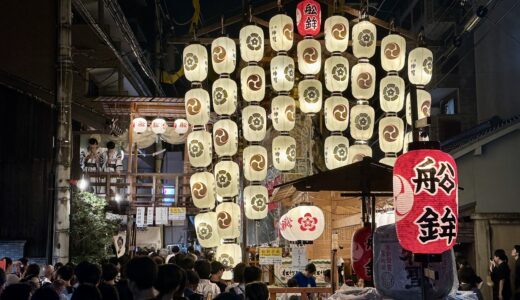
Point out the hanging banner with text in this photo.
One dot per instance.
(270, 256)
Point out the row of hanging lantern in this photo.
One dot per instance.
(283, 106)
(254, 122)
(159, 125)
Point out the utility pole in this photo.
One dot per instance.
(63, 137)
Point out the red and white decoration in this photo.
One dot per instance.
(303, 223)
(362, 255)
(308, 18)
(425, 188)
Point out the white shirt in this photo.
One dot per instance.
(207, 287)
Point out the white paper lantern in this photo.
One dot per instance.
(284, 153)
(285, 225)
(363, 81)
(251, 43)
(391, 134)
(393, 52)
(364, 39)
(195, 62)
(181, 126)
(362, 118)
(254, 123)
(159, 126)
(389, 161)
(281, 32)
(391, 93)
(225, 137)
(228, 220)
(199, 148)
(139, 125)
(223, 55)
(420, 66)
(197, 106)
(310, 95)
(336, 34)
(336, 151)
(202, 186)
(206, 228)
(252, 83)
(255, 163)
(308, 222)
(229, 255)
(357, 152)
(336, 113)
(282, 73)
(227, 174)
(283, 113)
(336, 72)
(408, 138)
(224, 92)
(255, 202)
(309, 56)
(424, 104)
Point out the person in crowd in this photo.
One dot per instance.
(306, 278)
(217, 270)
(107, 286)
(170, 279)
(3, 280)
(10, 274)
(86, 291)
(48, 274)
(112, 159)
(17, 291)
(191, 287)
(206, 288)
(158, 259)
(177, 259)
(227, 296)
(515, 253)
(141, 273)
(123, 290)
(291, 296)
(21, 266)
(32, 276)
(187, 263)
(45, 293)
(191, 251)
(87, 273)
(469, 281)
(257, 291)
(238, 287)
(327, 278)
(58, 286)
(500, 275)
(91, 159)
(252, 274)
(65, 274)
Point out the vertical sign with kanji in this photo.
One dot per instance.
(308, 17)
(425, 188)
(362, 253)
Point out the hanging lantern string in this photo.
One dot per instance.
(222, 23)
(280, 6)
(250, 14)
(392, 26)
(363, 15)
(420, 38)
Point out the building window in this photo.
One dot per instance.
(449, 106)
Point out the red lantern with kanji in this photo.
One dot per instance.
(425, 185)
(308, 18)
(362, 253)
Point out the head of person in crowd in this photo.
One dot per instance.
(238, 273)
(203, 268)
(32, 270)
(92, 144)
(252, 274)
(217, 270)
(187, 263)
(48, 272)
(515, 253)
(177, 259)
(65, 273)
(8, 265)
(192, 279)
(210, 255)
(18, 291)
(327, 276)
(32, 276)
(159, 260)
(109, 273)
(45, 293)
(257, 291)
(58, 265)
(499, 256)
(227, 296)
(169, 279)
(58, 285)
(468, 279)
(141, 272)
(292, 283)
(176, 250)
(86, 292)
(310, 270)
(87, 273)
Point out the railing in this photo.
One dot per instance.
(304, 292)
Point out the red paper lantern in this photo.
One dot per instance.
(308, 18)
(426, 201)
(362, 253)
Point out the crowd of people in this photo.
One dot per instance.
(179, 276)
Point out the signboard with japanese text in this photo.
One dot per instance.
(308, 17)
(299, 257)
(425, 186)
(139, 216)
(161, 215)
(270, 256)
(362, 253)
(177, 213)
(285, 271)
(149, 216)
(398, 276)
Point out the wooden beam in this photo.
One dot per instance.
(347, 221)
(261, 22)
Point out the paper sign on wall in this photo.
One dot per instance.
(270, 256)
(139, 217)
(149, 216)
(177, 213)
(299, 258)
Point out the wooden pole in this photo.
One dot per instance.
(60, 251)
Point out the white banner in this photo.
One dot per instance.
(139, 217)
(285, 271)
(149, 216)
